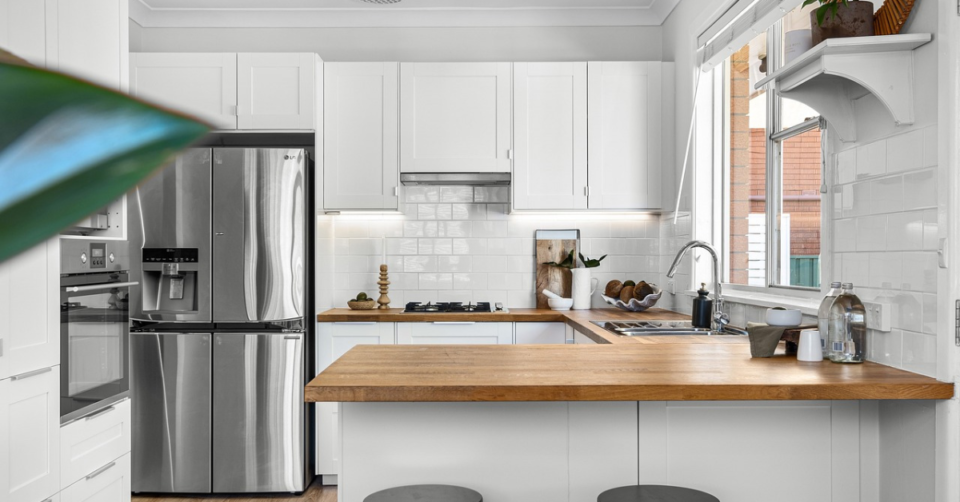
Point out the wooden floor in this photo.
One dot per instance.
(316, 493)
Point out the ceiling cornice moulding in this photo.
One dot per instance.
(151, 17)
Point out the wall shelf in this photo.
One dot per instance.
(829, 76)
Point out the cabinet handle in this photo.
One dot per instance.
(292, 337)
(396, 191)
(586, 191)
(454, 323)
(357, 323)
(29, 374)
(100, 471)
(104, 411)
(510, 154)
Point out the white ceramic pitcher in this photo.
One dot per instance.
(583, 288)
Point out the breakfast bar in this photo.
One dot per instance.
(565, 422)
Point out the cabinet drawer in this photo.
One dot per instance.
(107, 482)
(460, 333)
(91, 442)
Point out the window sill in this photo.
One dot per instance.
(807, 306)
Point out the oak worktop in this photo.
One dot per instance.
(579, 319)
(624, 372)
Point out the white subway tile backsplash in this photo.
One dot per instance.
(426, 211)
(456, 194)
(847, 166)
(920, 353)
(454, 229)
(930, 152)
(905, 151)
(468, 211)
(885, 271)
(931, 230)
(929, 314)
(885, 348)
(872, 159)
(454, 263)
(491, 194)
(473, 281)
(886, 195)
(419, 263)
(845, 235)
(920, 272)
(905, 231)
(920, 189)
(871, 233)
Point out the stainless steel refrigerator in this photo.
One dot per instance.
(221, 328)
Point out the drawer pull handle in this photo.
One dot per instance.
(291, 337)
(356, 323)
(96, 414)
(452, 323)
(100, 471)
(29, 374)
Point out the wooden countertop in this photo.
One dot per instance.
(620, 372)
(579, 319)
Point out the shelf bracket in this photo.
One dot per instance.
(887, 75)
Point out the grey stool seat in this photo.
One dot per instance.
(425, 493)
(655, 493)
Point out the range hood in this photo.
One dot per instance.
(470, 179)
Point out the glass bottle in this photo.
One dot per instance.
(823, 316)
(848, 328)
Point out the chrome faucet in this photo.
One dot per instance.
(720, 319)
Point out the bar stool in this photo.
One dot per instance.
(425, 493)
(655, 493)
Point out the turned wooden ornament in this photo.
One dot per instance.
(384, 300)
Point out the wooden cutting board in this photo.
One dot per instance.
(549, 249)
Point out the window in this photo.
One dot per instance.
(773, 174)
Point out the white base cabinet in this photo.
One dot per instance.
(455, 333)
(109, 482)
(540, 333)
(30, 435)
(94, 441)
(333, 341)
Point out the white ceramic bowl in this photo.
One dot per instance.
(788, 318)
(560, 303)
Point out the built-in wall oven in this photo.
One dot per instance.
(94, 327)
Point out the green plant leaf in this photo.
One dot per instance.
(68, 148)
(588, 263)
(567, 262)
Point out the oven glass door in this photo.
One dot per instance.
(94, 337)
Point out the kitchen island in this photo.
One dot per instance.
(565, 422)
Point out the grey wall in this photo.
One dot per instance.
(417, 44)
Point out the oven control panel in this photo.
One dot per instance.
(98, 255)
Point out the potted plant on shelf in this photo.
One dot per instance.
(840, 19)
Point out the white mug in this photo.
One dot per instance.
(809, 348)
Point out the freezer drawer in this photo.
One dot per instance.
(170, 386)
(258, 441)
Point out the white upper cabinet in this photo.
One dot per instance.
(625, 133)
(360, 135)
(30, 310)
(89, 39)
(455, 117)
(30, 436)
(200, 84)
(276, 90)
(23, 29)
(550, 135)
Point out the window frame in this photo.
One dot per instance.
(774, 174)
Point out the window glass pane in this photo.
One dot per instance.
(747, 166)
(800, 215)
(795, 40)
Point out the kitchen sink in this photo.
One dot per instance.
(661, 328)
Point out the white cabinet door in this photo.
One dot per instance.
(540, 333)
(90, 40)
(550, 135)
(625, 133)
(455, 333)
(276, 90)
(333, 341)
(455, 117)
(108, 483)
(30, 310)
(360, 128)
(30, 436)
(23, 29)
(200, 84)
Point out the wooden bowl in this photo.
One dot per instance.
(364, 305)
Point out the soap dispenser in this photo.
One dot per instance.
(702, 308)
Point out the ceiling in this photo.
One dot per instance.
(406, 13)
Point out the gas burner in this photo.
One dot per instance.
(448, 307)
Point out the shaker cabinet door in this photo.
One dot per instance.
(276, 90)
(360, 135)
(23, 30)
(625, 134)
(30, 310)
(90, 40)
(455, 117)
(199, 84)
(30, 436)
(550, 135)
